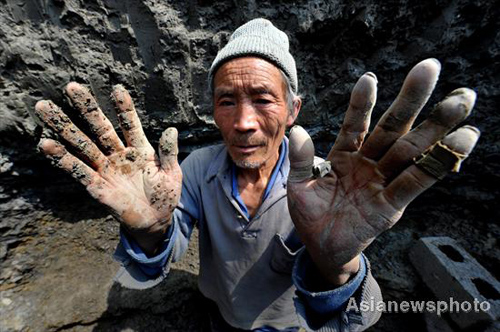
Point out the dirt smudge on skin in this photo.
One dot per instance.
(126, 169)
(131, 155)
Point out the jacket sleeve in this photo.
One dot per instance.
(337, 309)
(139, 271)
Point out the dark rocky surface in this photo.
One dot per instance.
(56, 242)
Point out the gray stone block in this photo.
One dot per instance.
(455, 277)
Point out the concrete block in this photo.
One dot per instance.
(455, 277)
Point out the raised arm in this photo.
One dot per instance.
(140, 187)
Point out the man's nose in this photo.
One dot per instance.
(246, 119)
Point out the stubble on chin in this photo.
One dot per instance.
(247, 164)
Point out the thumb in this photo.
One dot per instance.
(301, 155)
(168, 148)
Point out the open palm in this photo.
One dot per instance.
(372, 182)
(140, 187)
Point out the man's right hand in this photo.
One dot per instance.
(141, 188)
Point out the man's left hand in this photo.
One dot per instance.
(372, 181)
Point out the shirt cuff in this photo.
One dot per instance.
(151, 266)
(326, 302)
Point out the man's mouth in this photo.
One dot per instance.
(245, 149)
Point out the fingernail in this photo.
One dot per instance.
(71, 87)
(40, 104)
(462, 91)
(295, 127)
(474, 129)
(436, 61)
(41, 143)
(372, 75)
(118, 86)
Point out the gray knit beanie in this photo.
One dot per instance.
(260, 38)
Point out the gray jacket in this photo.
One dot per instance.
(245, 265)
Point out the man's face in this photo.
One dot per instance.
(250, 110)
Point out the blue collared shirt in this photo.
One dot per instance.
(272, 180)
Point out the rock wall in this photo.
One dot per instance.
(54, 239)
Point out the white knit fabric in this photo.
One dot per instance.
(258, 37)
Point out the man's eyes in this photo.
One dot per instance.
(257, 101)
(262, 101)
(226, 103)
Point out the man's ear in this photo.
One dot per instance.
(297, 104)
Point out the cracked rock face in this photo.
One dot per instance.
(56, 242)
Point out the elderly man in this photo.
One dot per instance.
(275, 222)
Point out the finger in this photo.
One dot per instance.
(399, 118)
(413, 181)
(61, 158)
(445, 116)
(168, 149)
(54, 117)
(301, 155)
(129, 120)
(357, 118)
(81, 98)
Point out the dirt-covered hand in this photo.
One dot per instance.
(372, 182)
(140, 187)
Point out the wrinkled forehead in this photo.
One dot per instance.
(251, 73)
